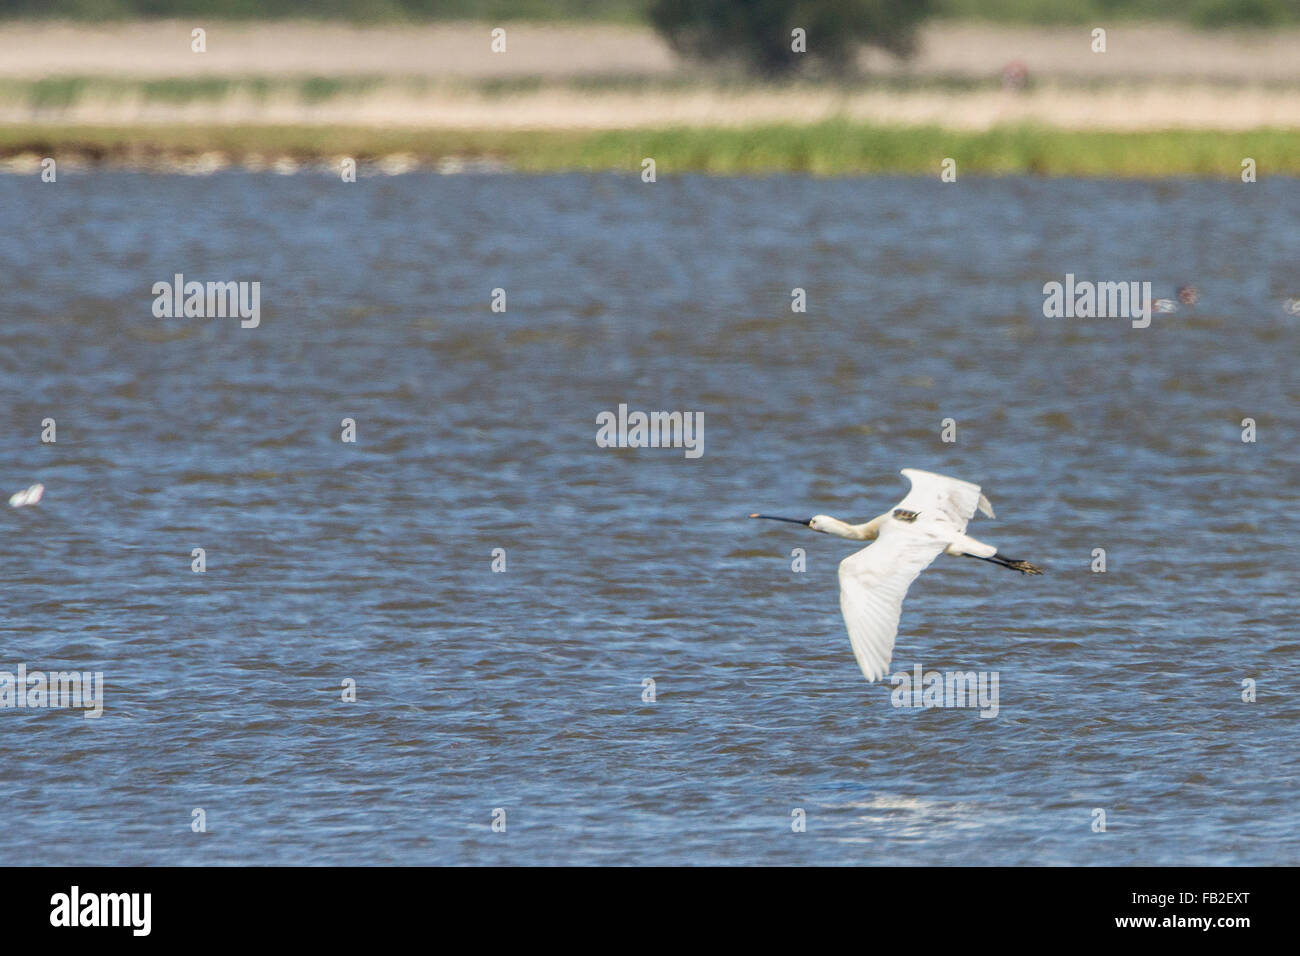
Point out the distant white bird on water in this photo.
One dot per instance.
(28, 496)
(930, 521)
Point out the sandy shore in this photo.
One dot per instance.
(162, 48)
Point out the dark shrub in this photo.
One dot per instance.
(758, 32)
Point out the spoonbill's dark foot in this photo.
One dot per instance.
(1024, 567)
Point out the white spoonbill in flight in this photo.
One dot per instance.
(929, 521)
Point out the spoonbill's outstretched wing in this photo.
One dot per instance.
(874, 581)
(956, 500)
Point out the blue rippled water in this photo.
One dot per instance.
(329, 562)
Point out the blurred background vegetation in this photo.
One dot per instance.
(1205, 13)
(1189, 88)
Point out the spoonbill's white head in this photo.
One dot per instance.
(822, 523)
